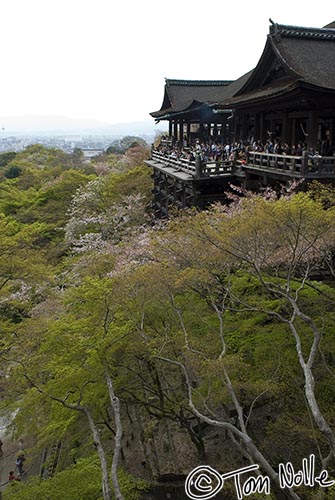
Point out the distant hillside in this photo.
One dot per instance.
(51, 125)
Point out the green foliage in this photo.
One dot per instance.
(6, 157)
(120, 146)
(13, 172)
(42, 194)
(213, 290)
(82, 481)
(324, 193)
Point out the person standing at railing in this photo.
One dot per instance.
(278, 148)
(214, 150)
(191, 156)
(317, 162)
(286, 149)
(198, 165)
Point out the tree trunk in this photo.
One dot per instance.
(196, 439)
(319, 419)
(106, 489)
(149, 461)
(173, 451)
(1, 457)
(118, 436)
(243, 436)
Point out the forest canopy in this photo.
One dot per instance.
(151, 347)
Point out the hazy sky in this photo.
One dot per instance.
(107, 59)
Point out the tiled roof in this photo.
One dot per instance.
(282, 30)
(197, 83)
(306, 56)
(179, 95)
(330, 25)
(267, 91)
(311, 55)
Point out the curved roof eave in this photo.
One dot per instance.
(269, 48)
(263, 95)
(193, 106)
(254, 74)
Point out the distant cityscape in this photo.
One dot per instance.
(91, 144)
(18, 133)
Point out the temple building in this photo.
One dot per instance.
(188, 107)
(291, 92)
(288, 98)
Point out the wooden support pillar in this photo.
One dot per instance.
(244, 128)
(332, 131)
(252, 134)
(175, 131)
(246, 181)
(201, 131)
(170, 128)
(225, 132)
(188, 133)
(235, 128)
(221, 131)
(181, 132)
(289, 130)
(293, 132)
(285, 135)
(312, 129)
(229, 133)
(262, 130)
(257, 133)
(215, 131)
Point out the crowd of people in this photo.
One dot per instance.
(216, 151)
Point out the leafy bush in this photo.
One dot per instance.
(13, 172)
(82, 481)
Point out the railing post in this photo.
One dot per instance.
(304, 163)
(198, 166)
(232, 166)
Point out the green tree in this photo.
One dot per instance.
(120, 146)
(6, 158)
(281, 245)
(13, 172)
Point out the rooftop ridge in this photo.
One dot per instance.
(197, 83)
(282, 30)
